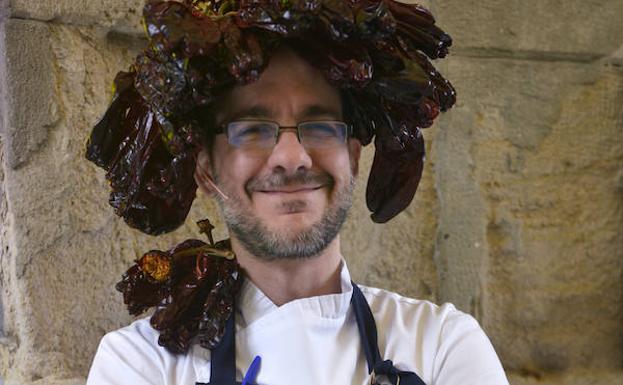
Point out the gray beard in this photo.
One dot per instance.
(268, 245)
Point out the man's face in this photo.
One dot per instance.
(288, 201)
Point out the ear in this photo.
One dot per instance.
(354, 152)
(203, 177)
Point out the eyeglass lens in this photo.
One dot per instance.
(264, 134)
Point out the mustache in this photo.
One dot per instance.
(278, 180)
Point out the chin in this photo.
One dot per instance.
(293, 222)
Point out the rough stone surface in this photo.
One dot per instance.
(31, 107)
(573, 377)
(573, 30)
(518, 219)
(376, 254)
(6, 310)
(122, 15)
(8, 293)
(537, 171)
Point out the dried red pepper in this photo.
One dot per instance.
(192, 286)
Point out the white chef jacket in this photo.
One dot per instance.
(313, 341)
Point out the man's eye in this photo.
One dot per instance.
(255, 129)
(321, 129)
(243, 133)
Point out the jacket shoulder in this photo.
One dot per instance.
(132, 355)
(441, 343)
(409, 311)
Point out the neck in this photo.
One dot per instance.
(285, 280)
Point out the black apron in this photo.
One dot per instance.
(223, 357)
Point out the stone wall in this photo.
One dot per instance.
(518, 220)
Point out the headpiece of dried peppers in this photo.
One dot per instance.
(376, 51)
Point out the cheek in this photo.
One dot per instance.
(235, 170)
(338, 165)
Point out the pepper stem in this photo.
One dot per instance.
(205, 227)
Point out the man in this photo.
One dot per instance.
(282, 165)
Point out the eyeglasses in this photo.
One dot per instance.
(263, 134)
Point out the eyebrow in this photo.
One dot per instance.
(259, 111)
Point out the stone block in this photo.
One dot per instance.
(121, 15)
(536, 148)
(31, 108)
(534, 29)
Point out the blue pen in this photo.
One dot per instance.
(249, 378)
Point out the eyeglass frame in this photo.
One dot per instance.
(223, 129)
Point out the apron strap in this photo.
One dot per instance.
(223, 357)
(367, 328)
(369, 340)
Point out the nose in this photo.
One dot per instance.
(289, 155)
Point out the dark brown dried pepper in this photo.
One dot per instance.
(193, 287)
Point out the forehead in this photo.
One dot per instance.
(289, 88)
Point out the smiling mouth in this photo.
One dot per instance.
(291, 190)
